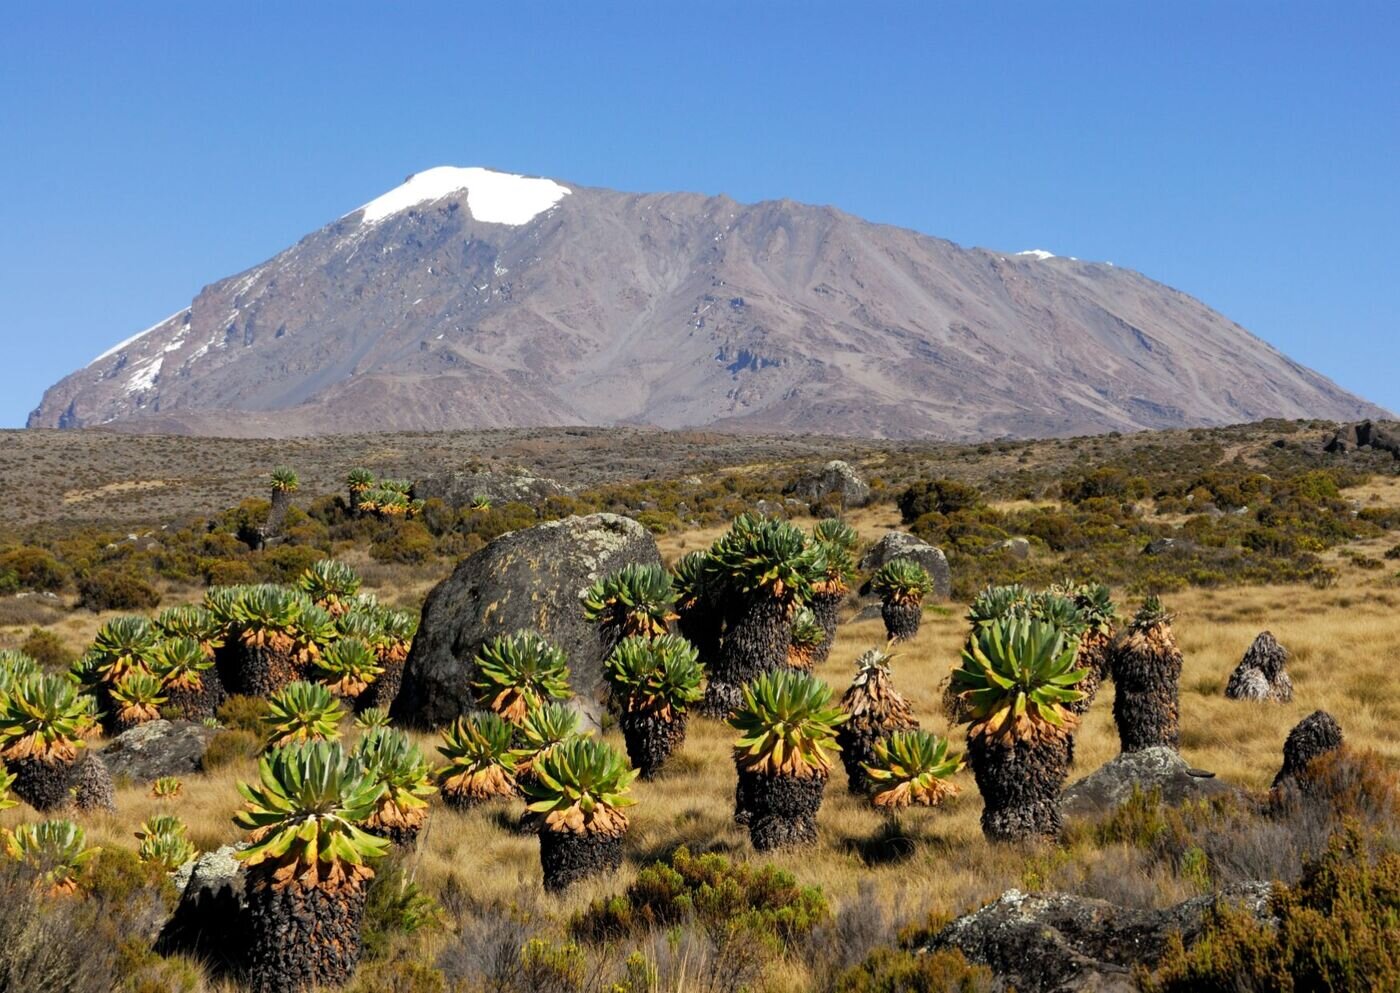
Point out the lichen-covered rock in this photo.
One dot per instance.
(1261, 675)
(532, 579)
(1058, 942)
(835, 479)
(158, 748)
(209, 920)
(501, 485)
(1158, 769)
(902, 545)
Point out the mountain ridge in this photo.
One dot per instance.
(581, 305)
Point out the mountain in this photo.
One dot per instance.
(467, 298)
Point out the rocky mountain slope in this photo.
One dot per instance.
(468, 299)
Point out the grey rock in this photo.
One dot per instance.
(1164, 546)
(459, 489)
(208, 920)
(1017, 548)
(902, 545)
(1152, 769)
(1061, 943)
(1261, 675)
(158, 748)
(836, 478)
(531, 579)
(768, 508)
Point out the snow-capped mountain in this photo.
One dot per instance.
(469, 298)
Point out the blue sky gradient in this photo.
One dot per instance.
(1243, 152)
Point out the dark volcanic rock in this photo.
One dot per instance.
(1058, 943)
(526, 579)
(209, 919)
(835, 478)
(459, 489)
(158, 748)
(1108, 787)
(1365, 434)
(902, 545)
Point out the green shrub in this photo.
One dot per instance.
(243, 713)
(47, 648)
(726, 899)
(901, 970)
(34, 568)
(1338, 929)
(409, 542)
(116, 589)
(395, 906)
(228, 747)
(937, 496)
(228, 572)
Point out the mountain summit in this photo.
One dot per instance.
(468, 298)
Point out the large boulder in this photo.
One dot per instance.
(836, 479)
(1058, 942)
(501, 485)
(158, 748)
(902, 545)
(525, 579)
(1159, 770)
(1365, 434)
(208, 921)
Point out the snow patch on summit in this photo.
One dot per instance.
(134, 338)
(492, 197)
(1039, 254)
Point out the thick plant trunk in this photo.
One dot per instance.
(781, 810)
(300, 939)
(1020, 783)
(857, 748)
(262, 671)
(651, 739)
(826, 608)
(566, 857)
(756, 641)
(382, 691)
(1146, 702)
(1094, 656)
(195, 705)
(276, 515)
(42, 785)
(91, 784)
(700, 624)
(901, 619)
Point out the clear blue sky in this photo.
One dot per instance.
(1246, 153)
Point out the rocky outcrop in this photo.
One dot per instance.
(503, 485)
(902, 545)
(1315, 735)
(1260, 674)
(532, 579)
(1153, 770)
(834, 483)
(1058, 942)
(158, 748)
(1365, 434)
(208, 921)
